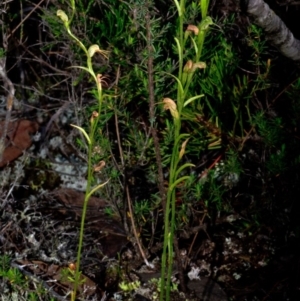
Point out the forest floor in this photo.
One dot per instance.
(227, 257)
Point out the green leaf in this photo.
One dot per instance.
(96, 188)
(195, 45)
(191, 99)
(179, 49)
(171, 188)
(181, 136)
(83, 132)
(181, 168)
(178, 81)
(178, 8)
(81, 67)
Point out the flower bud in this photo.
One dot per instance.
(95, 48)
(94, 116)
(63, 16)
(188, 66)
(170, 104)
(194, 29)
(99, 166)
(182, 150)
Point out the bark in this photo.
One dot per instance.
(277, 32)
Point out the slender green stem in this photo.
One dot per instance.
(93, 128)
(82, 224)
(90, 137)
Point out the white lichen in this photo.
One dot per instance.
(193, 274)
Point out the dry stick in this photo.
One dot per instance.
(9, 104)
(4, 77)
(55, 116)
(134, 229)
(12, 187)
(117, 123)
(116, 82)
(60, 72)
(36, 6)
(129, 204)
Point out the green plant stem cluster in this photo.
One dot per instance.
(195, 34)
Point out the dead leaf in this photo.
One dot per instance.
(18, 139)
(109, 228)
(73, 201)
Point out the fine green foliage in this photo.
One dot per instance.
(13, 275)
(270, 130)
(18, 284)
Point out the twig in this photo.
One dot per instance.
(36, 6)
(55, 116)
(134, 229)
(9, 102)
(117, 123)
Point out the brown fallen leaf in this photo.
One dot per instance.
(109, 228)
(73, 201)
(18, 139)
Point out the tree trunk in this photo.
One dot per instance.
(277, 32)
